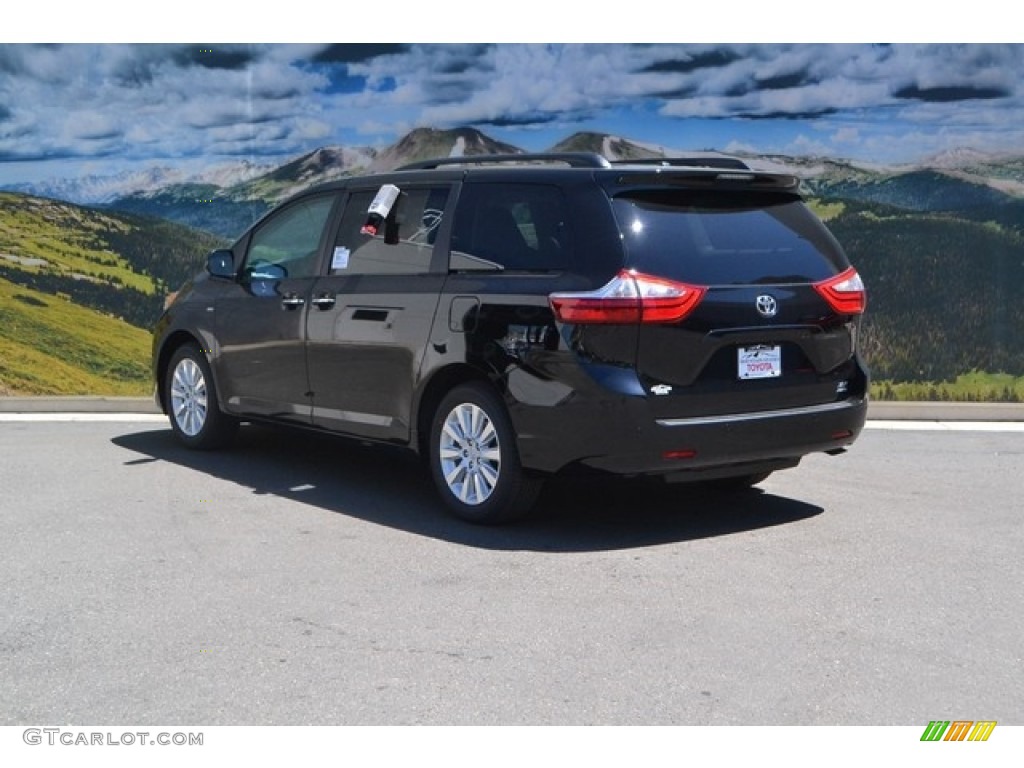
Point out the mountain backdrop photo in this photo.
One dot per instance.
(122, 166)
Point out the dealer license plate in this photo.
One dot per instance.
(763, 361)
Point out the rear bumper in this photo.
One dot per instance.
(783, 413)
(622, 437)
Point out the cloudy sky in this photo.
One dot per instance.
(68, 110)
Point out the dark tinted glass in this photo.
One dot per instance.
(719, 238)
(514, 227)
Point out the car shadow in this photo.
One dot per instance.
(391, 487)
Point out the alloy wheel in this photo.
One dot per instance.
(189, 397)
(470, 454)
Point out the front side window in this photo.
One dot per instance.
(404, 243)
(510, 227)
(288, 243)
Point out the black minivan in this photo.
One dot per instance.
(512, 317)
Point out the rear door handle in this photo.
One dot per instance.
(324, 301)
(292, 301)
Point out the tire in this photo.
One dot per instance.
(191, 402)
(474, 460)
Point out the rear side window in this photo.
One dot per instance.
(511, 227)
(404, 244)
(723, 238)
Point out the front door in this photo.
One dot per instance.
(261, 319)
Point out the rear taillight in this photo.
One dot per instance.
(844, 292)
(630, 297)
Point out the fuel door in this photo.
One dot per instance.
(462, 314)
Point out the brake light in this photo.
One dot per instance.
(630, 297)
(682, 453)
(844, 293)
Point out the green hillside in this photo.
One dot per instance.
(51, 346)
(941, 293)
(923, 190)
(117, 263)
(39, 235)
(201, 207)
(79, 290)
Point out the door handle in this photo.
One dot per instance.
(292, 301)
(324, 301)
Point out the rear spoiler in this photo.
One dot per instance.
(705, 178)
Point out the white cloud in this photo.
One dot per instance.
(805, 145)
(90, 125)
(310, 129)
(167, 101)
(164, 99)
(741, 147)
(846, 135)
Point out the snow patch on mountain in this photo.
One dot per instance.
(229, 174)
(960, 157)
(97, 189)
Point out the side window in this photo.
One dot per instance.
(514, 227)
(405, 243)
(288, 243)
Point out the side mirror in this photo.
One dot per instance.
(221, 263)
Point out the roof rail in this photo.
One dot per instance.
(572, 159)
(731, 163)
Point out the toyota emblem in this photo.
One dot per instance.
(766, 305)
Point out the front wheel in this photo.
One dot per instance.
(474, 460)
(192, 401)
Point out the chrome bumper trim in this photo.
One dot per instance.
(729, 418)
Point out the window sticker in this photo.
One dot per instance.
(340, 258)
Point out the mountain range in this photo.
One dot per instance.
(940, 244)
(226, 199)
(97, 189)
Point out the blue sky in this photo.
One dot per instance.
(69, 110)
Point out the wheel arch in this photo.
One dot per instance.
(474, 458)
(433, 390)
(172, 344)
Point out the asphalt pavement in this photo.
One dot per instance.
(296, 579)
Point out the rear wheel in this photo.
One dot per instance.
(473, 458)
(192, 405)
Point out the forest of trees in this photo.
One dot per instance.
(942, 294)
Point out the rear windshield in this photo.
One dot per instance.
(725, 238)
